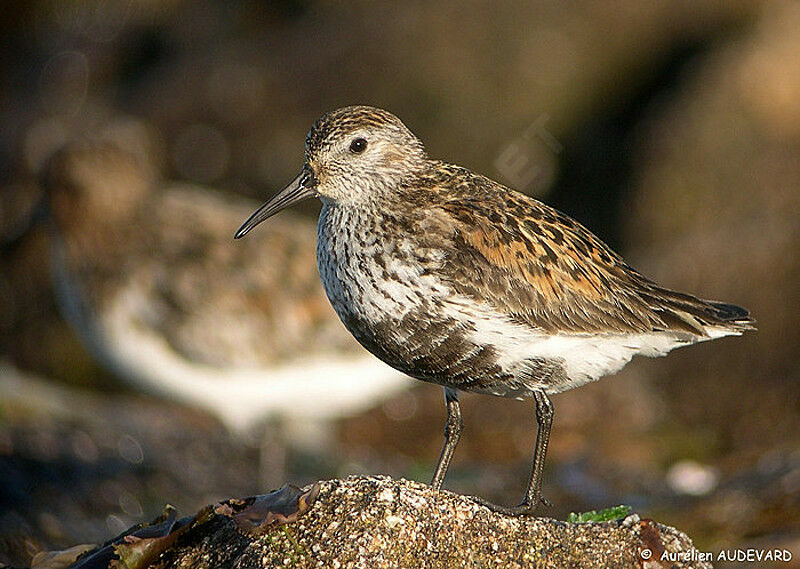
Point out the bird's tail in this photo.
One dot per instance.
(686, 313)
(733, 315)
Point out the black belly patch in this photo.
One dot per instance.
(431, 349)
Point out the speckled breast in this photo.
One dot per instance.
(392, 303)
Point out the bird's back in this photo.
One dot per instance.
(544, 269)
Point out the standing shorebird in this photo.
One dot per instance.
(457, 280)
(143, 275)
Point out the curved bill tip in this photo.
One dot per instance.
(299, 189)
(257, 217)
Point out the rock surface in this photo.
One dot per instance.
(378, 522)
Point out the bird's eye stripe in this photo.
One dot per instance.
(358, 145)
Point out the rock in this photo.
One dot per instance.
(378, 522)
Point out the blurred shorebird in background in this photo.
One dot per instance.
(454, 279)
(146, 275)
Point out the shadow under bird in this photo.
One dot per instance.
(457, 280)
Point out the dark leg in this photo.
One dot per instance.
(544, 420)
(533, 495)
(452, 432)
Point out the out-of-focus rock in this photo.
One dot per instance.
(81, 466)
(716, 211)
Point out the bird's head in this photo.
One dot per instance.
(91, 183)
(353, 155)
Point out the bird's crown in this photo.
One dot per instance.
(337, 124)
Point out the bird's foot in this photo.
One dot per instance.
(523, 509)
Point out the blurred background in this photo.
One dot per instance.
(137, 135)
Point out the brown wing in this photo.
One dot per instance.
(544, 269)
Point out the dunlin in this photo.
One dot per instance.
(457, 280)
(145, 277)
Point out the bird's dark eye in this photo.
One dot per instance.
(358, 145)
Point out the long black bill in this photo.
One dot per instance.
(302, 187)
